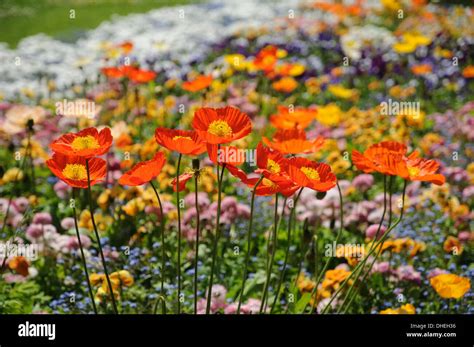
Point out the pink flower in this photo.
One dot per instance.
(372, 231)
(363, 182)
(73, 243)
(382, 267)
(61, 189)
(435, 272)
(21, 204)
(67, 223)
(42, 218)
(34, 231)
(465, 236)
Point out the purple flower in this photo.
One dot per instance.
(42, 218)
(363, 182)
(372, 231)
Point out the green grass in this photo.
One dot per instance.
(22, 18)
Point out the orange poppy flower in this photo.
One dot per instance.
(199, 83)
(310, 174)
(271, 162)
(141, 76)
(20, 265)
(86, 143)
(420, 169)
(384, 157)
(468, 71)
(114, 72)
(266, 59)
(421, 69)
(143, 172)
(298, 118)
(183, 178)
(221, 125)
(277, 184)
(229, 155)
(285, 85)
(293, 142)
(183, 141)
(126, 47)
(72, 169)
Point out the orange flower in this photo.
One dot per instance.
(419, 169)
(126, 47)
(221, 125)
(86, 143)
(141, 76)
(143, 172)
(117, 72)
(199, 83)
(384, 157)
(450, 286)
(183, 141)
(468, 71)
(293, 142)
(277, 184)
(452, 245)
(298, 118)
(307, 173)
(421, 69)
(19, 265)
(271, 162)
(183, 178)
(266, 59)
(285, 85)
(72, 169)
(229, 155)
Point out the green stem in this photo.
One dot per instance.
(196, 255)
(216, 236)
(179, 232)
(249, 244)
(338, 237)
(362, 263)
(359, 272)
(89, 191)
(163, 260)
(84, 264)
(282, 274)
(273, 238)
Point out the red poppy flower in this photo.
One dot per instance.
(384, 157)
(183, 141)
(72, 169)
(270, 161)
(221, 125)
(183, 178)
(307, 173)
(143, 172)
(229, 155)
(290, 119)
(293, 142)
(86, 143)
(199, 83)
(122, 71)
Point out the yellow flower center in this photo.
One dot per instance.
(311, 173)
(181, 137)
(413, 171)
(220, 128)
(267, 183)
(75, 172)
(273, 166)
(84, 142)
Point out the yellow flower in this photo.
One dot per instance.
(450, 286)
(12, 175)
(330, 114)
(134, 206)
(236, 61)
(342, 92)
(404, 309)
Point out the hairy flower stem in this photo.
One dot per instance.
(273, 239)
(362, 263)
(282, 274)
(179, 232)
(84, 264)
(249, 244)
(338, 237)
(216, 236)
(89, 191)
(359, 272)
(163, 259)
(196, 254)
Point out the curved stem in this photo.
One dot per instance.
(273, 238)
(84, 264)
(163, 260)
(362, 263)
(98, 238)
(198, 230)
(285, 262)
(359, 272)
(338, 237)
(249, 244)
(216, 237)
(179, 232)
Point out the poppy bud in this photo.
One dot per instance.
(320, 195)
